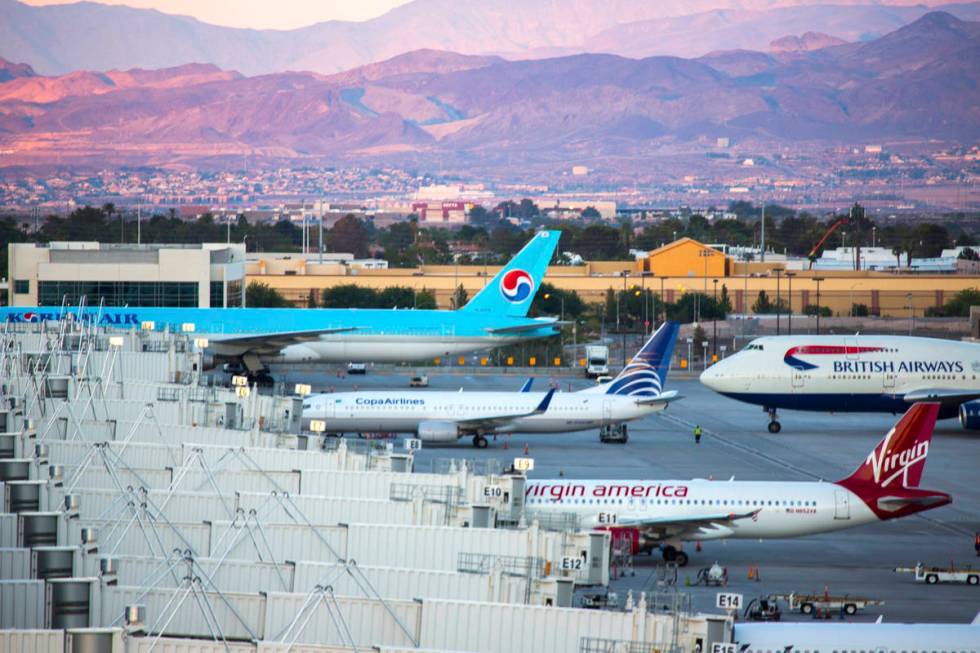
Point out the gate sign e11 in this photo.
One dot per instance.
(412, 444)
(727, 601)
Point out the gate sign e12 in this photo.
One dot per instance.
(728, 601)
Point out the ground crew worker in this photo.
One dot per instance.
(697, 434)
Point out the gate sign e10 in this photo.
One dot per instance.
(493, 492)
(727, 601)
(724, 648)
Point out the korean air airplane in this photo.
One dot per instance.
(666, 514)
(496, 316)
(438, 416)
(848, 638)
(852, 374)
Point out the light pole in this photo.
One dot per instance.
(778, 272)
(818, 280)
(789, 313)
(714, 320)
(908, 300)
(663, 302)
(704, 355)
(874, 233)
(626, 274)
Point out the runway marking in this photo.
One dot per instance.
(779, 462)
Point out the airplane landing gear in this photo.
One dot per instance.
(672, 554)
(479, 442)
(774, 425)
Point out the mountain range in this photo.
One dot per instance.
(58, 39)
(919, 81)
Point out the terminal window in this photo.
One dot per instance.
(118, 293)
(234, 294)
(22, 286)
(217, 294)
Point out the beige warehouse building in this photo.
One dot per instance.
(202, 276)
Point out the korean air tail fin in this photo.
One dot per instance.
(511, 292)
(646, 373)
(898, 460)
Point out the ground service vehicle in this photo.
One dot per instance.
(596, 361)
(935, 575)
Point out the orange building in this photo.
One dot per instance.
(685, 258)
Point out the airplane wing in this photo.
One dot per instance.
(945, 396)
(265, 343)
(497, 421)
(664, 527)
(520, 328)
(662, 398)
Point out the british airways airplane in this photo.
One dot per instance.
(872, 374)
(438, 416)
(667, 513)
(495, 317)
(845, 637)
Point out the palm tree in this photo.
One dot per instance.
(897, 253)
(109, 208)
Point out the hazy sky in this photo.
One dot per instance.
(260, 14)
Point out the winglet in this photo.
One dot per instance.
(543, 406)
(527, 384)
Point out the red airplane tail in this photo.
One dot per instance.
(888, 480)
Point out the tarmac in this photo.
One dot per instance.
(857, 562)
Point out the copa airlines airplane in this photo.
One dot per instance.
(438, 416)
(851, 638)
(667, 513)
(852, 374)
(495, 317)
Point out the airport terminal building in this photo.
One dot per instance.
(190, 276)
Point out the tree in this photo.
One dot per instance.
(311, 299)
(590, 213)
(860, 310)
(969, 254)
(261, 295)
(349, 235)
(550, 301)
(762, 304)
(958, 306)
(396, 297)
(424, 299)
(459, 298)
(724, 301)
(349, 296)
(897, 253)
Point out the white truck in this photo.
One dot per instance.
(596, 361)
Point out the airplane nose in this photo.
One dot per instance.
(711, 376)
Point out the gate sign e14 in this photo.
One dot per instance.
(728, 601)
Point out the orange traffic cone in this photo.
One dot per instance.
(751, 573)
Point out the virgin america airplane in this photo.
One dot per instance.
(666, 514)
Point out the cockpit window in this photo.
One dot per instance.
(753, 348)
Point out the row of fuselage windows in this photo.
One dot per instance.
(745, 503)
(487, 409)
(926, 377)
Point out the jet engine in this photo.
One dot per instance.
(433, 431)
(970, 415)
(208, 362)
